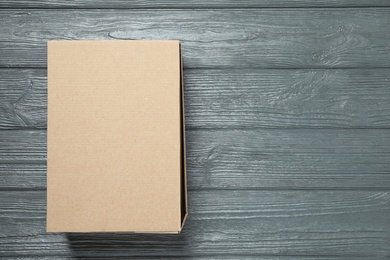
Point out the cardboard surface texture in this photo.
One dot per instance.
(116, 148)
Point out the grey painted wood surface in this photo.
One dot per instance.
(287, 107)
(224, 222)
(237, 98)
(190, 4)
(240, 159)
(229, 38)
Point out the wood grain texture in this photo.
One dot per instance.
(189, 4)
(240, 159)
(270, 176)
(250, 98)
(23, 99)
(300, 223)
(288, 38)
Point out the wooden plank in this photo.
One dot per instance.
(189, 4)
(23, 99)
(22, 147)
(250, 98)
(260, 38)
(240, 159)
(30, 176)
(295, 223)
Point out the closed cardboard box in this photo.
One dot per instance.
(116, 148)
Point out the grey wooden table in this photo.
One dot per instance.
(288, 125)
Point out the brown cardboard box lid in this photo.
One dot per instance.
(115, 150)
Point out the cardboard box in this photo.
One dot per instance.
(116, 148)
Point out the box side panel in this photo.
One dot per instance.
(184, 201)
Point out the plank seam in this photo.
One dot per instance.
(308, 189)
(274, 8)
(41, 67)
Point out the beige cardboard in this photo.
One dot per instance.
(116, 156)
